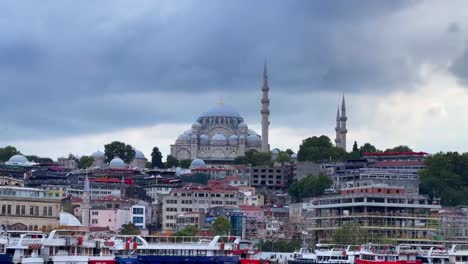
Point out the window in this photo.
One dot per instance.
(23, 209)
(109, 205)
(95, 213)
(138, 211)
(36, 210)
(31, 210)
(94, 221)
(9, 209)
(50, 211)
(3, 209)
(17, 210)
(44, 210)
(138, 220)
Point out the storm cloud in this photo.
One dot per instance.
(71, 68)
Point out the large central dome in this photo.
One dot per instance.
(222, 111)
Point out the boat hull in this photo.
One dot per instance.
(188, 259)
(6, 259)
(363, 261)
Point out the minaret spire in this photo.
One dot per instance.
(265, 111)
(343, 120)
(337, 128)
(86, 203)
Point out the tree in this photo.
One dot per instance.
(129, 229)
(119, 149)
(319, 149)
(355, 147)
(220, 226)
(241, 160)
(289, 151)
(310, 186)
(156, 158)
(171, 162)
(7, 152)
(37, 159)
(256, 158)
(367, 148)
(400, 148)
(85, 162)
(283, 157)
(136, 192)
(185, 163)
(200, 178)
(189, 230)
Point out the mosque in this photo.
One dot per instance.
(220, 134)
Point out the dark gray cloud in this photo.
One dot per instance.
(71, 67)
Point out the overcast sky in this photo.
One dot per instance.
(75, 75)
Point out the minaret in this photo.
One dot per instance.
(86, 204)
(265, 110)
(337, 128)
(343, 129)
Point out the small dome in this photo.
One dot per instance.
(242, 125)
(294, 156)
(139, 154)
(117, 163)
(241, 137)
(196, 126)
(251, 132)
(18, 159)
(218, 139)
(67, 219)
(253, 139)
(197, 163)
(204, 140)
(98, 155)
(275, 151)
(184, 137)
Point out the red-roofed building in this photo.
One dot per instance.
(255, 212)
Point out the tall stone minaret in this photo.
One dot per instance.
(337, 129)
(343, 129)
(265, 110)
(86, 204)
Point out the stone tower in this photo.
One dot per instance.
(343, 129)
(337, 128)
(265, 110)
(86, 204)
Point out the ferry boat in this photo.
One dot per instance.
(458, 254)
(326, 253)
(432, 254)
(303, 256)
(4, 257)
(387, 254)
(174, 250)
(247, 254)
(25, 246)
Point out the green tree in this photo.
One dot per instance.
(367, 148)
(156, 158)
(129, 229)
(7, 152)
(310, 186)
(119, 149)
(400, 148)
(283, 156)
(220, 226)
(136, 192)
(289, 151)
(85, 162)
(241, 160)
(446, 177)
(171, 162)
(189, 230)
(319, 149)
(254, 158)
(185, 163)
(37, 159)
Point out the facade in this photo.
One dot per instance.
(138, 216)
(340, 128)
(220, 135)
(272, 178)
(113, 219)
(194, 199)
(68, 163)
(28, 208)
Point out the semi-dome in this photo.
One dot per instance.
(242, 125)
(222, 110)
(67, 219)
(117, 163)
(204, 140)
(196, 126)
(98, 155)
(139, 154)
(253, 139)
(218, 139)
(251, 132)
(184, 137)
(197, 163)
(233, 140)
(18, 159)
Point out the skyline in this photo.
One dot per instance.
(78, 77)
